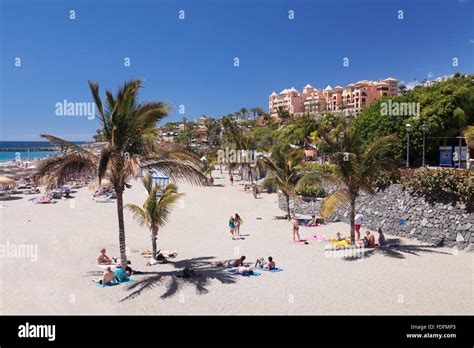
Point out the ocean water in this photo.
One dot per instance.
(9, 150)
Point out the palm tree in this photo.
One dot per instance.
(287, 172)
(356, 168)
(132, 147)
(156, 209)
(244, 112)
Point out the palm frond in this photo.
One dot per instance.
(334, 201)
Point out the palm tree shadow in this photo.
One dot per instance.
(397, 250)
(173, 284)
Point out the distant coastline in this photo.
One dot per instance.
(28, 150)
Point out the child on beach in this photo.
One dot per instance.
(232, 226)
(381, 240)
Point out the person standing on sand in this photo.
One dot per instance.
(295, 227)
(359, 219)
(238, 221)
(231, 178)
(232, 226)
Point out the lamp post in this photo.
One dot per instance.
(408, 128)
(423, 128)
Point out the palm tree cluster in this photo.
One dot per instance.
(132, 147)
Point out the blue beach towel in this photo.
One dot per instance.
(233, 271)
(275, 270)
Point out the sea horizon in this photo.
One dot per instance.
(24, 150)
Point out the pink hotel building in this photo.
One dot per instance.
(349, 100)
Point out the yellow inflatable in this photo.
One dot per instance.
(340, 243)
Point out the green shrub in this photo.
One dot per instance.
(442, 184)
(311, 191)
(325, 168)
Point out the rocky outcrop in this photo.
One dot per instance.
(400, 213)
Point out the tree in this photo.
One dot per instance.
(287, 172)
(132, 147)
(156, 208)
(244, 112)
(356, 168)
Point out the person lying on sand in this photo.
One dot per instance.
(107, 278)
(340, 237)
(103, 259)
(245, 270)
(232, 263)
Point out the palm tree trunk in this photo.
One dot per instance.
(352, 219)
(123, 248)
(154, 234)
(287, 206)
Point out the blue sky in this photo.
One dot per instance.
(190, 62)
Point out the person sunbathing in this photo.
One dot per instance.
(260, 262)
(232, 263)
(381, 240)
(270, 264)
(340, 237)
(313, 222)
(107, 278)
(245, 270)
(369, 240)
(121, 275)
(103, 259)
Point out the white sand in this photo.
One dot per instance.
(69, 234)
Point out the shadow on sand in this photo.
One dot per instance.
(398, 251)
(173, 284)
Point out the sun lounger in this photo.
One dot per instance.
(104, 199)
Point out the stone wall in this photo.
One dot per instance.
(399, 213)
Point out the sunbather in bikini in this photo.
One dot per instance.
(232, 263)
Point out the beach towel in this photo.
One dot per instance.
(301, 242)
(274, 270)
(234, 271)
(314, 236)
(114, 282)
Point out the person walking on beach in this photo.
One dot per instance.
(296, 227)
(232, 226)
(238, 221)
(359, 218)
(255, 191)
(231, 178)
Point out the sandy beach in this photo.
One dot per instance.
(410, 279)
